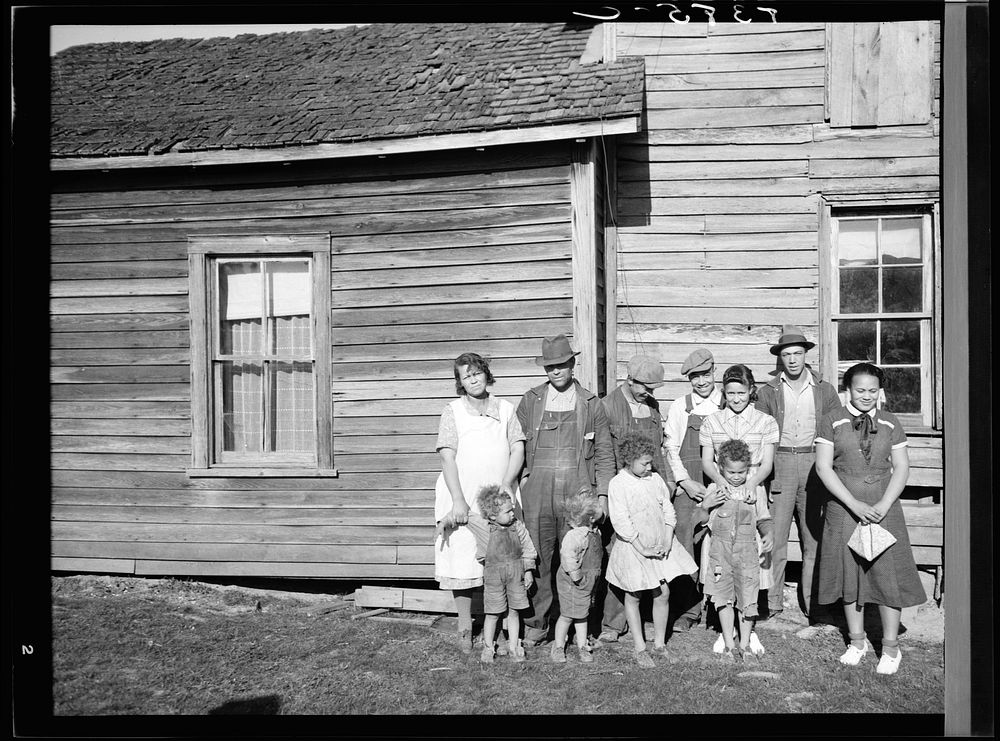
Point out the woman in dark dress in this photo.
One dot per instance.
(861, 458)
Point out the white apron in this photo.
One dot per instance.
(482, 457)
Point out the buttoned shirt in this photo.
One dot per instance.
(561, 401)
(639, 410)
(753, 427)
(675, 426)
(799, 426)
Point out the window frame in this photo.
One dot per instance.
(929, 418)
(203, 252)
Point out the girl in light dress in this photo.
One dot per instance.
(645, 555)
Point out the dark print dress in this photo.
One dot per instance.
(892, 578)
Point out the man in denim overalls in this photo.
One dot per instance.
(680, 437)
(568, 443)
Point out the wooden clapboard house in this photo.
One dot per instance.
(266, 253)
(789, 173)
(437, 189)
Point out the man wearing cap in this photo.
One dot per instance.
(631, 408)
(797, 399)
(567, 444)
(680, 437)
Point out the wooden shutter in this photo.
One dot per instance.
(879, 74)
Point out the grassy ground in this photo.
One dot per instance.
(128, 646)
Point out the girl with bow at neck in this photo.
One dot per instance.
(862, 459)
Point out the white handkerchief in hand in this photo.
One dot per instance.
(870, 540)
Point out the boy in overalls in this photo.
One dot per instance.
(683, 422)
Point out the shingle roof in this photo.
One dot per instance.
(382, 81)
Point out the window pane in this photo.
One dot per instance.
(858, 290)
(240, 308)
(242, 407)
(900, 342)
(292, 408)
(902, 390)
(855, 341)
(290, 301)
(902, 289)
(856, 242)
(901, 240)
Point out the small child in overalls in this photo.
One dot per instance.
(579, 567)
(734, 557)
(508, 555)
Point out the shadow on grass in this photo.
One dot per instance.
(264, 705)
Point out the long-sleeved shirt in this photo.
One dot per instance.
(675, 426)
(574, 545)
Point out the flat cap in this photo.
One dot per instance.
(646, 370)
(699, 360)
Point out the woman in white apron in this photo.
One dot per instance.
(480, 442)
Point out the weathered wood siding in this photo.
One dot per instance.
(431, 257)
(718, 223)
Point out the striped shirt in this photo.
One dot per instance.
(753, 427)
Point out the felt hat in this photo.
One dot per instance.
(555, 350)
(699, 360)
(646, 370)
(791, 335)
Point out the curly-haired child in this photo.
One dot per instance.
(580, 557)
(646, 555)
(733, 570)
(508, 555)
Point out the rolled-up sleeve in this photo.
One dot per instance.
(447, 430)
(514, 432)
(674, 430)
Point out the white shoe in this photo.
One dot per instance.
(853, 655)
(889, 664)
(755, 646)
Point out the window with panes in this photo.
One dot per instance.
(883, 304)
(262, 360)
(260, 355)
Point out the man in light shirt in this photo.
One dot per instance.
(797, 399)
(680, 439)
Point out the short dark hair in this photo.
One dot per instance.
(734, 451)
(582, 506)
(490, 498)
(864, 369)
(633, 446)
(476, 362)
(738, 374)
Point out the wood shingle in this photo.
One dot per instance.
(354, 84)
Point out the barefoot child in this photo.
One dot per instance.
(579, 566)
(507, 554)
(733, 573)
(645, 555)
